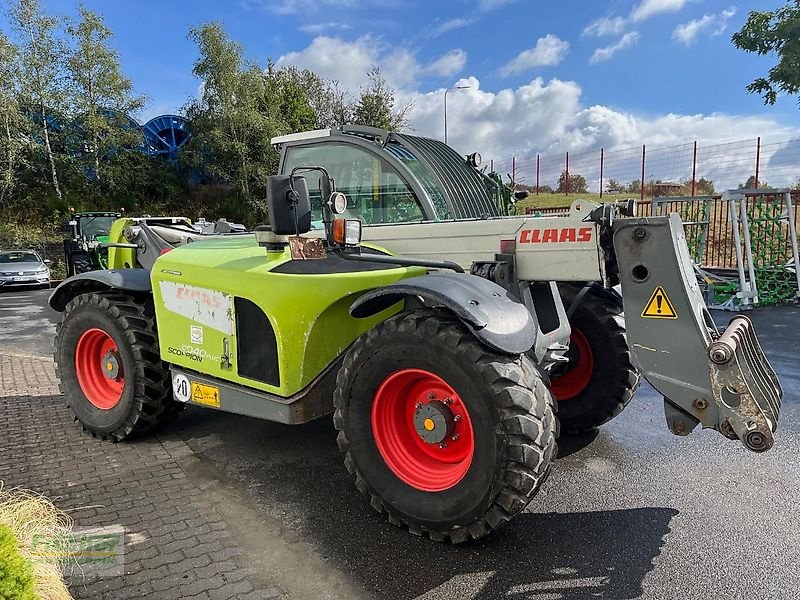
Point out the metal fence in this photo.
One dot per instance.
(686, 169)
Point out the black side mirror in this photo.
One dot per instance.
(289, 205)
(521, 194)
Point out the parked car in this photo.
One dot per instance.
(23, 267)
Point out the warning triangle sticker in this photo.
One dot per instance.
(659, 306)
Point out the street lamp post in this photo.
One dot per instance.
(458, 87)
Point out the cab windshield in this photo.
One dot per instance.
(94, 227)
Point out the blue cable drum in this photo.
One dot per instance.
(165, 135)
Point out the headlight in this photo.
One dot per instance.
(42, 269)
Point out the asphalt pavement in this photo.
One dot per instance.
(628, 512)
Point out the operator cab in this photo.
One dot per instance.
(392, 178)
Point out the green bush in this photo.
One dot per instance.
(16, 574)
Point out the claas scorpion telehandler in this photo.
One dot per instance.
(439, 380)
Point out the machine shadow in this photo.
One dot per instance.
(297, 473)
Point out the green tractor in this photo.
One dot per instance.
(444, 421)
(84, 250)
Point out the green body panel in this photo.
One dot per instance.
(194, 287)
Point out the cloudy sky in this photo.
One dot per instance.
(543, 76)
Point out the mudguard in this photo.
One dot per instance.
(129, 280)
(493, 316)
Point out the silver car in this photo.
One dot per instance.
(23, 267)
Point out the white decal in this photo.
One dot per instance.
(209, 307)
(197, 334)
(180, 387)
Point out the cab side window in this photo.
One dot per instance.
(375, 191)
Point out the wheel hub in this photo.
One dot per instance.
(112, 365)
(422, 430)
(434, 422)
(98, 368)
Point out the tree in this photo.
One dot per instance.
(634, 187)
(774, 32)
(376, 105)
(332, 106)
(751, 183)
(11, 120)
(614, 186)
(704, 187)
(577, 184)
(41, 72)
(233, 120)
(99, 93)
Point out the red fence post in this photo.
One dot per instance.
(602, 164)
(537, 174)
(694, 169)
(566, 180)
(758, 159)
(513, 169)
(644, 154)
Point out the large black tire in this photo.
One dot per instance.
(146, 398)
(600, 379)
(509, 406)
(81, 263)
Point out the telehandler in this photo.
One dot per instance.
(437, 379)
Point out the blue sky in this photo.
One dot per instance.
(544, 76)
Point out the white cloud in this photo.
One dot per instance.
(649, 8)
(493, 4)
(686, 33)
(606, 53)
(329, 27)
(305, 7)
(614, 25)
(451, 25)
(348, 62)
(448, 64)
(606, 26)
(549, 118)
(548, 51)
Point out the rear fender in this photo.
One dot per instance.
(128, 280)
(488, 311)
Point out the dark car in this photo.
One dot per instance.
(23, 267)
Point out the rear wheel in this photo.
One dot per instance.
(446, 437)
(109, 368)
(81, 263)
(600, 379)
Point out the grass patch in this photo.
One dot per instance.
(32, 530)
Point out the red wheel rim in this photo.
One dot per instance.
(96, 354)
(576, 377)
(398, 404)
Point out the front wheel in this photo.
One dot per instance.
(446, 437)
(599, 380)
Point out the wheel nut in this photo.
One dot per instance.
(456, 418)
(418, 405)
(455, 437)
(431, 396)
(443, 445)
(448, 400)
(701, 404)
